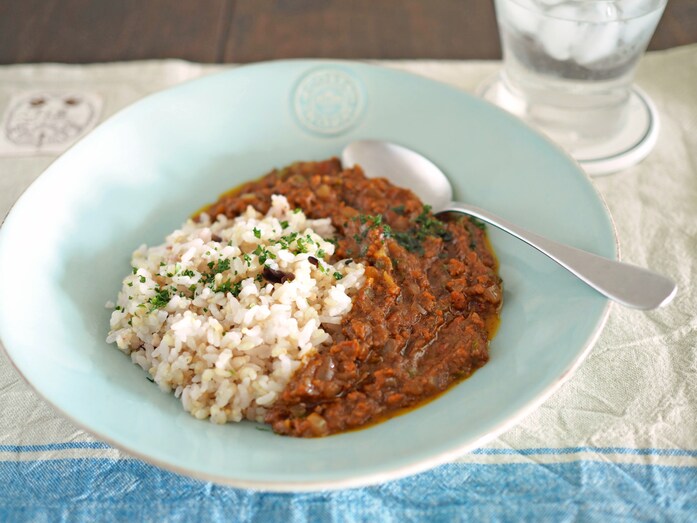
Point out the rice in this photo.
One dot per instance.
(224, 312)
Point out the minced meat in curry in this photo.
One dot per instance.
(421, 322)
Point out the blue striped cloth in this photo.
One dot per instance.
(89, 489)
(618, 442)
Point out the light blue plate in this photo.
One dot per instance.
(66, 245)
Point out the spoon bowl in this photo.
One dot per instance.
(626, 284)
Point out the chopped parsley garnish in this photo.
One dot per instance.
(285, 241)
(372, 222)
(263, 254)
(142, 279)
(386, 231)
(321, 253)
(284, 224)
(247, 258)
(425, 225)
(228, 286)
(365, 218)
(189, 273)
(409, 241)
(338, 275)
(297, 210)
(161, 299)
(290, 238)
(130, 284)
(223, 265)
(301, 247)
(257, 232)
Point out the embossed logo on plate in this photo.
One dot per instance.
(328, 101)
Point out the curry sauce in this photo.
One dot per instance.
(423, 318)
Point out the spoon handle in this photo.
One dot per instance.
(627, 284)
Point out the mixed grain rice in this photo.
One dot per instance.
(225, 311)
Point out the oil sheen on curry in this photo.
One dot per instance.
(422, 319)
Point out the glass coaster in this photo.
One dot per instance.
(628, 147)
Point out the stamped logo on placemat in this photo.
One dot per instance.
(47, 122)
(328, 101)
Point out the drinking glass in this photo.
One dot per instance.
(568, 67)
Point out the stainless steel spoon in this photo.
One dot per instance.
(629, 285)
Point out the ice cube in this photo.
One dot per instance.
(558, 32)
(596, 42)
(598, 32)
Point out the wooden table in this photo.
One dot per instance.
(81, 31)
